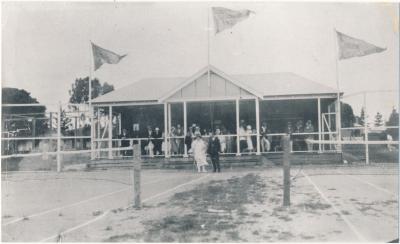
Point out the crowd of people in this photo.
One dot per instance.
(302, 142)
(153, 143)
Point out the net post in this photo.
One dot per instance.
(137, 167)
(286, 170)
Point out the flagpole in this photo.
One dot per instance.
(208, 46)
(339, 120)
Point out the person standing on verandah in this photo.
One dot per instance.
(309, 129)
(124, 137)
(214, 148)
(242, 137)
(199, 149)
(179, 141)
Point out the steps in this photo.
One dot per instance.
(177, 163)
(304, 158)
(225, 161)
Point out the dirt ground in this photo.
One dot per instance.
(351, 203)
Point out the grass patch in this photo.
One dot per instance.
(285, 218)
(314, 206)
(285, 235)
(227, 199)
(345, 212)
(117, 210)
(306, 237)
(120, 238)
(97, 213)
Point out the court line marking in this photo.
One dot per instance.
(345, 219)
(74, 204)
(369, 183)
(108, 211)
(77, 226)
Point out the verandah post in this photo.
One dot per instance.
(98, 136)
(185, 127)
(110, 128)
(237, 129)
(92, 133)
(339, 122)
(165, 130)
(168, 130)
(257, 102)
(319, 126)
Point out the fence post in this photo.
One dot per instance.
(286, 170)
(59, 138)
(137, 165)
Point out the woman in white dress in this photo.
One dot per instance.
(174, 146)
(250, 146)
(222, 140)
(199, 150)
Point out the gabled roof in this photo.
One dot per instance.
(261, 85)
(216, 71)
(149, 89)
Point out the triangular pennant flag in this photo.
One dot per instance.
(350, 47)
(101, 56)
(226, 18)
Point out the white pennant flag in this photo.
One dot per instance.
(225, 18)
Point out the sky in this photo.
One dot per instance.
(46, 45)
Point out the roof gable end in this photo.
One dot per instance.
(203, 72)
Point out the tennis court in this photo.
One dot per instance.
(330, 203)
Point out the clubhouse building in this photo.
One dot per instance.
(212, 99)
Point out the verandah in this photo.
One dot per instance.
(225, 114)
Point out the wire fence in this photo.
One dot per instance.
(66, 135)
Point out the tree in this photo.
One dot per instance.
(393, 121)
(362, 116)
(24, 118)
(378, 120)
(65, 122)
(79, 93)
(347, 113)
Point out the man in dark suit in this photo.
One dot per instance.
(157, 141)
(124, 141)
(214, 148)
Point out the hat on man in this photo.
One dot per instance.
(157, 128)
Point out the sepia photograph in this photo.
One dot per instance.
(196, 121)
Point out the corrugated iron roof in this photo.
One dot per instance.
(271, 84)
(283, 84)
(149, 89)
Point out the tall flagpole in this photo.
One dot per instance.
(339, 120)
(208, 46)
